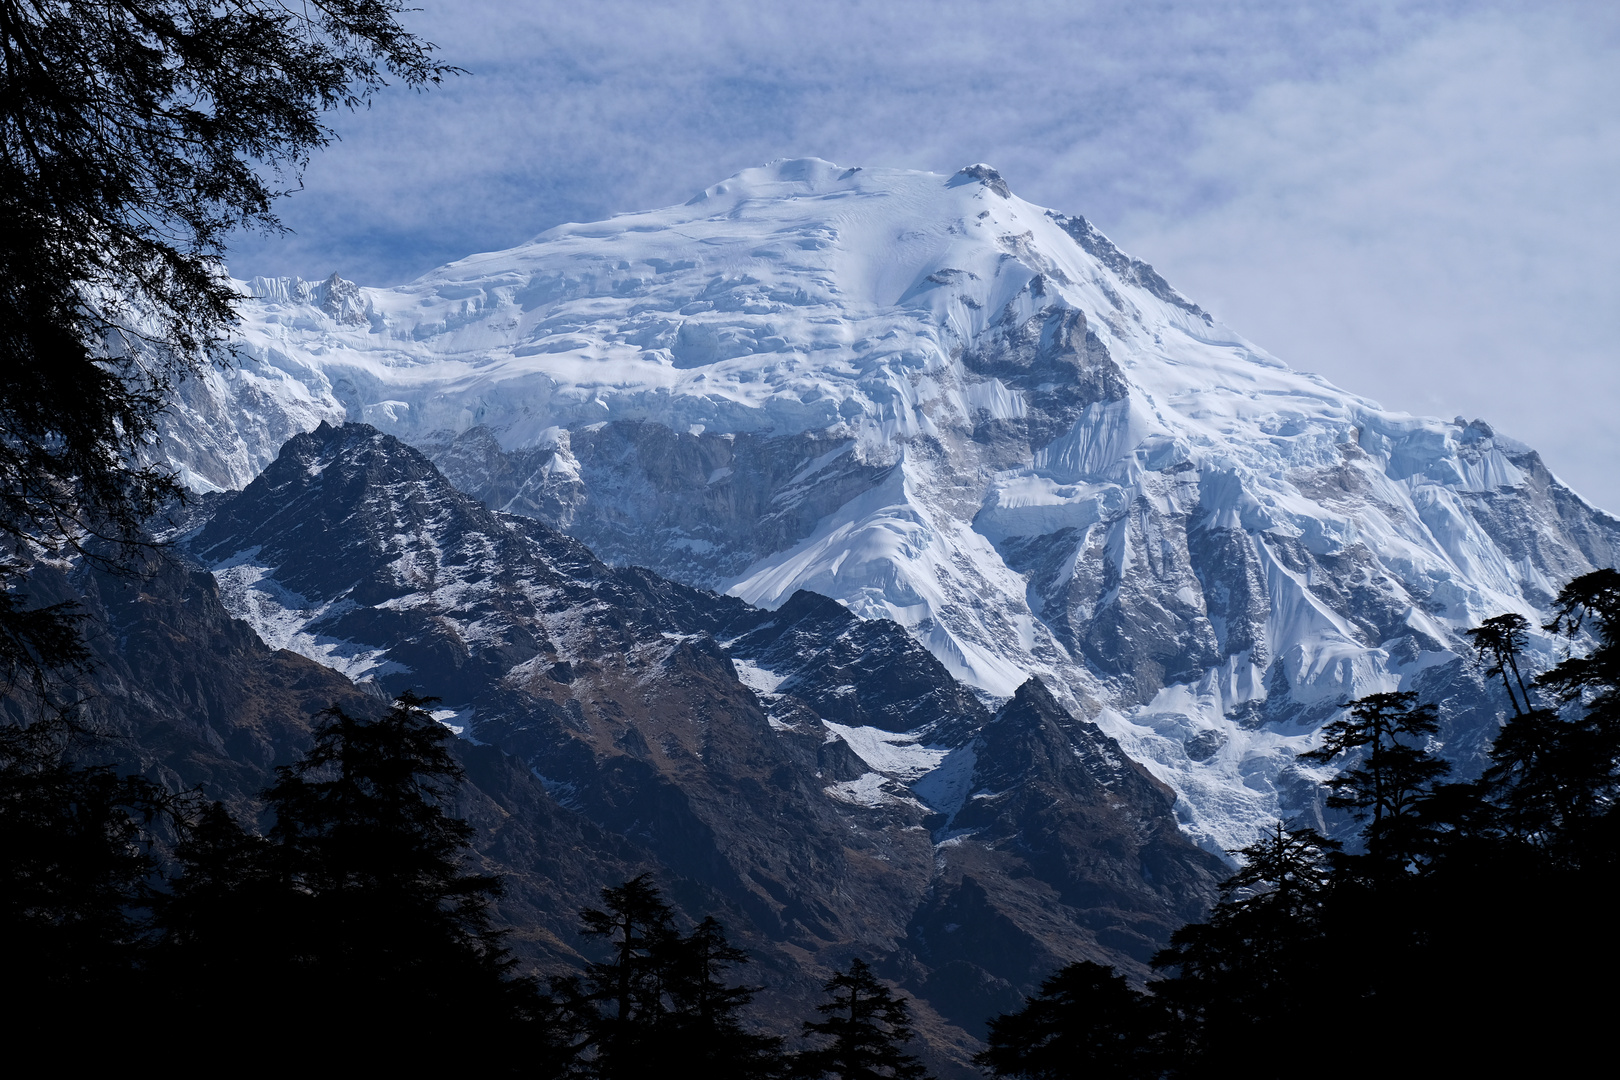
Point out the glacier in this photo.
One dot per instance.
(937, 403)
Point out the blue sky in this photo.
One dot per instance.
(1417, 200)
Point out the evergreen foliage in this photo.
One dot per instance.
(705, 1020)
(661, 997)
(75, 863)
(1249, 971)
(358, 894)
(1461, 937)
(1086, 1021)
(621, 1004)
(1386, 786)
(135, 135)
(219, 914)
(868, 1025)
(1558, 767)
(362, 831)
(1500, 640)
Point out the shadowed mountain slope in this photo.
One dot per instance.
(802, 767)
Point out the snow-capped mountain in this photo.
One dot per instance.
(939, 404)
(819, 778)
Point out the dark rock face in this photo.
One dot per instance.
(985, 175)
(1134, 271)
(857, 672)
(740, 751)
(192, 698)
(1126, 594)
(1518, 521)
(191, 695)
(1063, 828)
(1042, 346)
(1233, 581)
(694, 507)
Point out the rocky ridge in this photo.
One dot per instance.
(941, 405)
(820, 778)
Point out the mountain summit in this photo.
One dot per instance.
(936, 403)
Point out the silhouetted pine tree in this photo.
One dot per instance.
(227, 953)
(661, 997)
(1254, 968)
(229, 884)
(1386, 786)
(1378, 918)
(1560, 777)
(75, 864)
(356, 908)
(1500, 640)
(1555, 776)
(619, 1006)
(1085, 1022)
(704, 1023)
(868, 1025)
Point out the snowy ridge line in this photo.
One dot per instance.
(937, 403)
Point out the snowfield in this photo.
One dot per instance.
(1054, 463)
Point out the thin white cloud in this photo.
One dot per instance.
(1413, 198)
(1437, 230)
(573, 111)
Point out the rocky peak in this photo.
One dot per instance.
(945, 407)
(787, 763)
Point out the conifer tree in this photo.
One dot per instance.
(1257, 962)
(662, 996)
(75, 871)
(704, 1023)
(372, 904)
(1524, 782)
(225, 948)
(1387, 785)
(621, 1007)
(1501, 640)
(1566, 787)
(868, 1025)
(1086, 1021)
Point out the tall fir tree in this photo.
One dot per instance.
(661, 996)
(705, 1020)
(1571, 781)
(868, 1025)
(135, 136)
(1499, 641)
(1085, 1022)
(1252, 969)
(1387, 784)
(620, 1005)
(358, 898)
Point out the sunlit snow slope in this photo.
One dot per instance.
(935, 402)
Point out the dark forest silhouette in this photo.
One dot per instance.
(1473, 924)
(1464, 930)
(1473, 929)
(353, 921)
